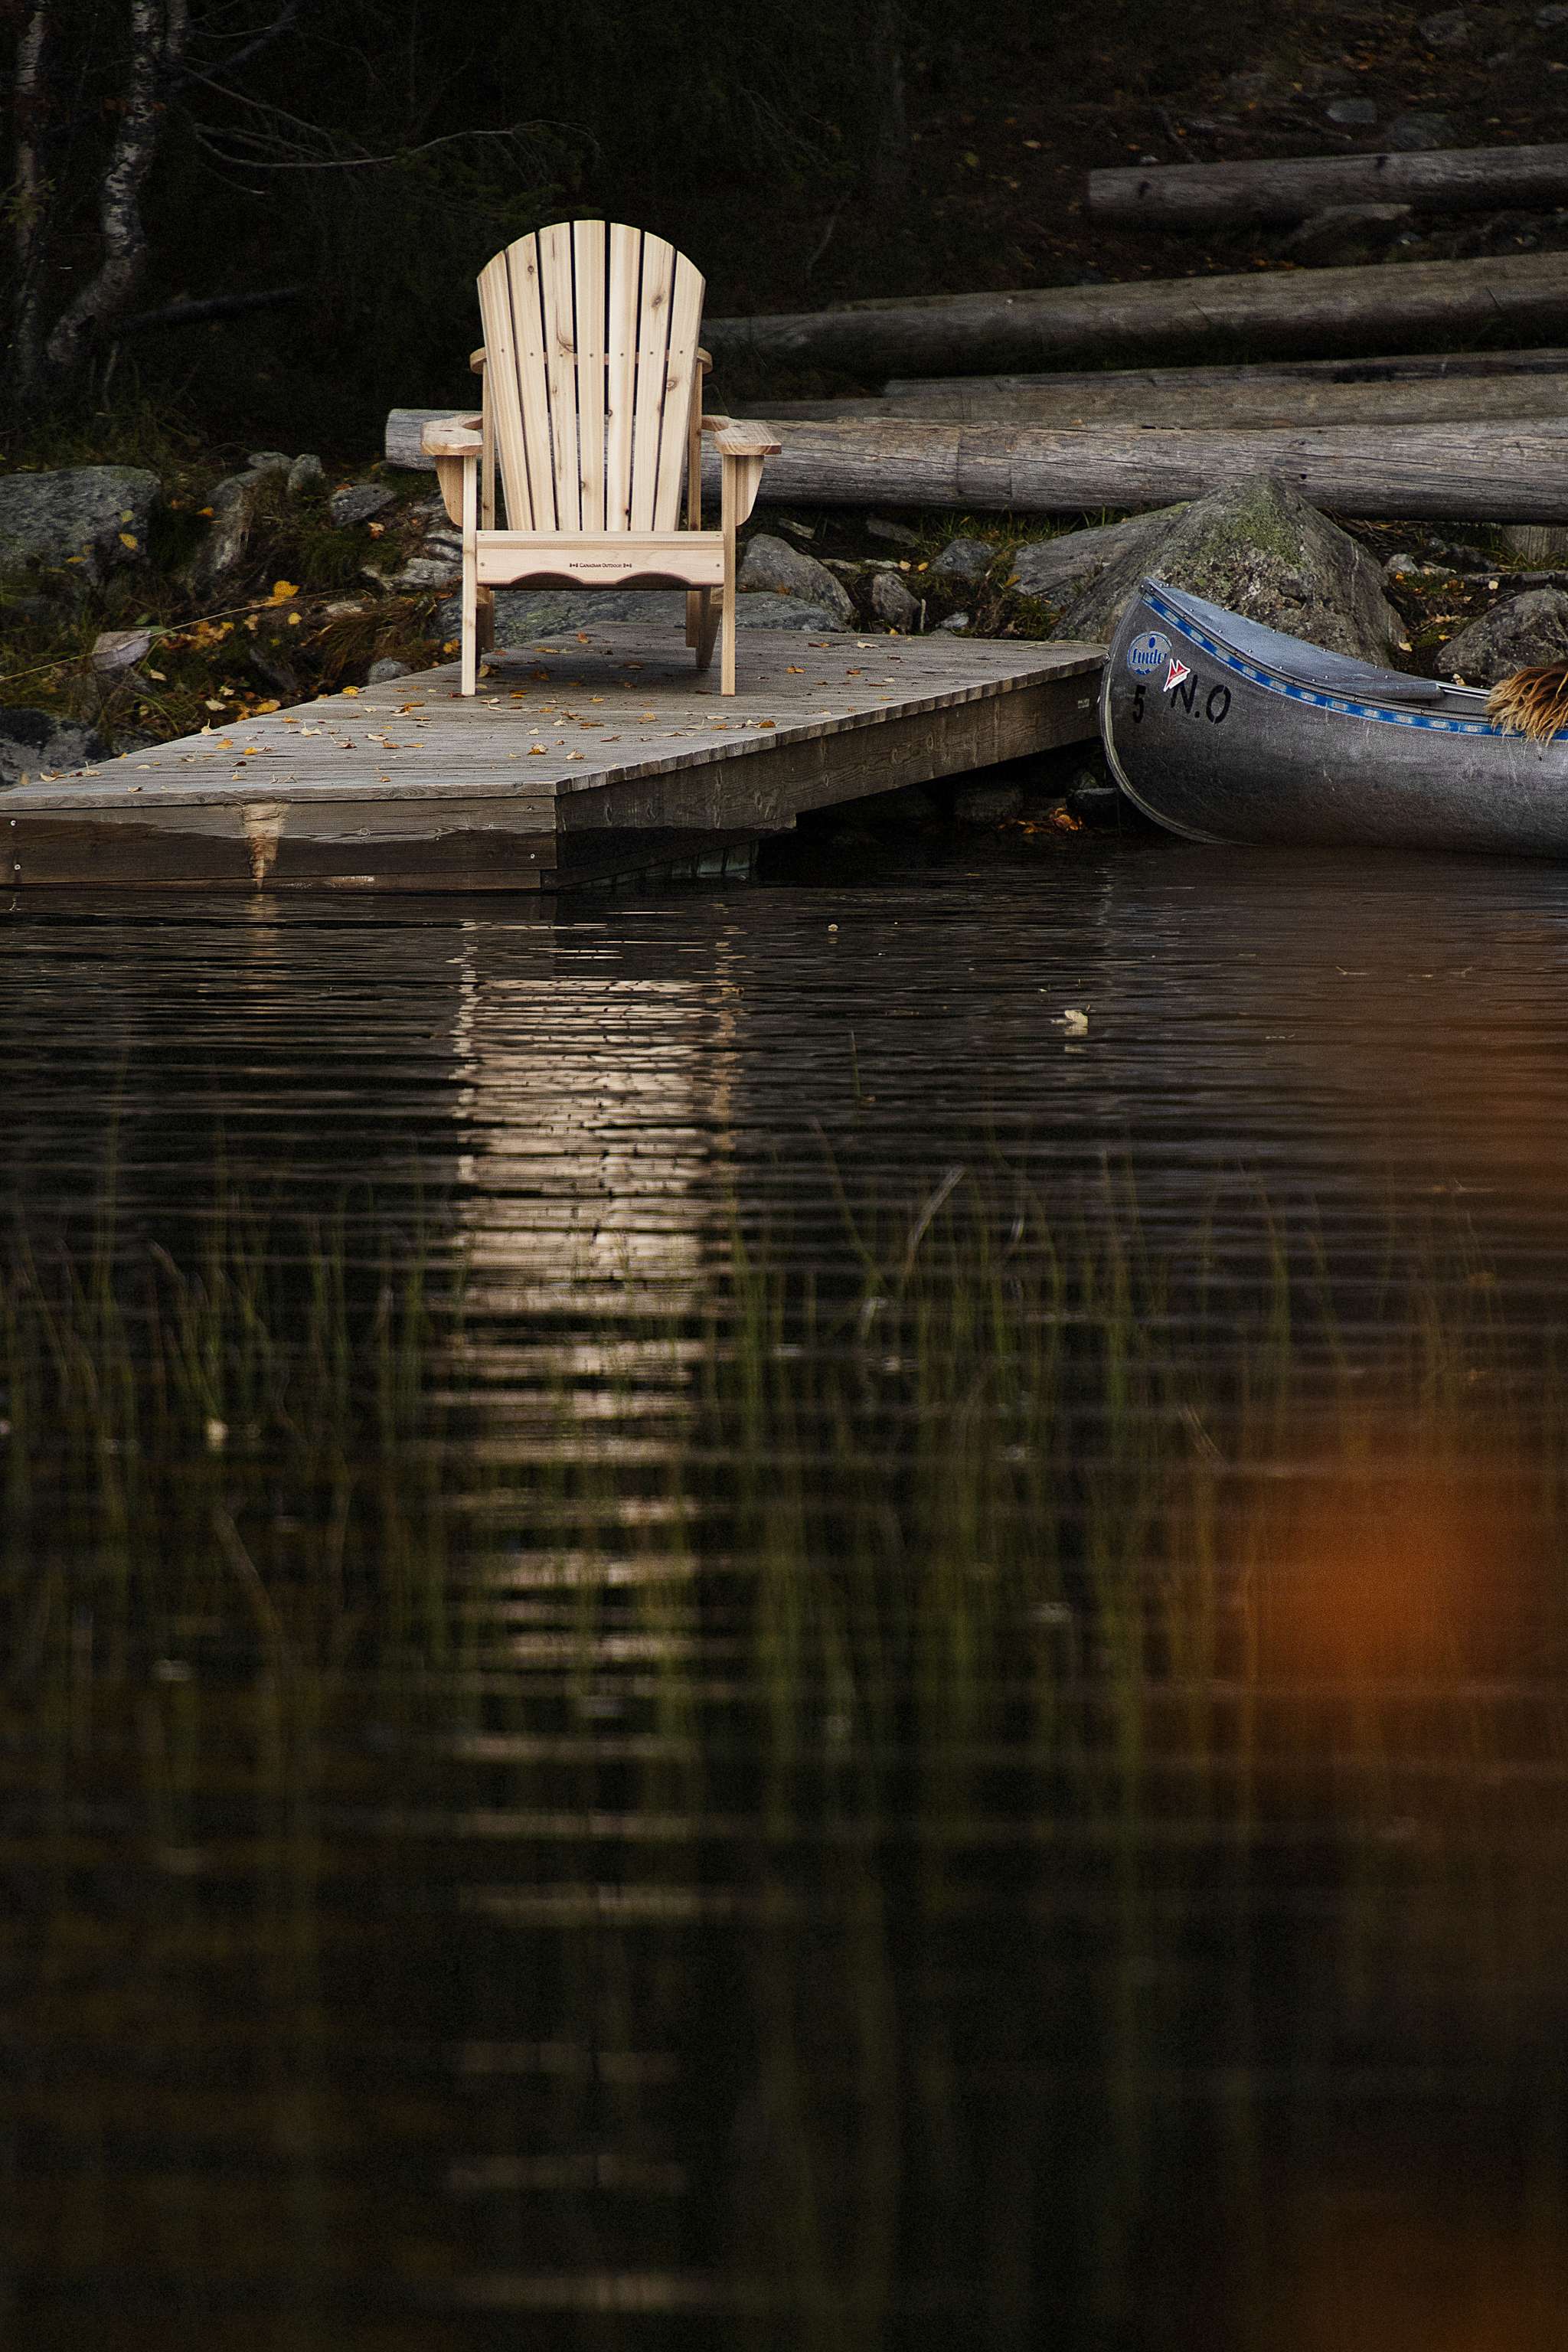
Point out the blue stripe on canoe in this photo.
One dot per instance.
(1272, 683)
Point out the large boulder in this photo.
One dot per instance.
(1258, 548)
(235, 501)
(1057, 570)
(83, 522)
(218, 561)
(893, 604)
(1527, 632)
(773, 568)
(34, 742)
(358, 502)
(523, 615)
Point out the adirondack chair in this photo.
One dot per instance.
(592, 399)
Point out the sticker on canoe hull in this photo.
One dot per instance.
(1174, 675)
(1145, 654)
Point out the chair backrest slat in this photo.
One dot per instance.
(653, 365)
(591, 337)
(559, 305)
(680, 375)
(503, 390)
(625, 273)
(588, 257)
(523, 268)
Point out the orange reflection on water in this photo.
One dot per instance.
(1402, 1564)
(1382, 2274)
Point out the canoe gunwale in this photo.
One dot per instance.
(1385, 709)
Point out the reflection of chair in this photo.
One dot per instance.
(593, 401)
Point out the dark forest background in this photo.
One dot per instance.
(260, 220)
(346, 165)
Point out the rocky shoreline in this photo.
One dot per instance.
(142, 603)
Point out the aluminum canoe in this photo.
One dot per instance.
(1228, 732)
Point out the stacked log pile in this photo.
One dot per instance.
(980, 411)
(1440, 304)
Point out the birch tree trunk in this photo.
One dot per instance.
(157, 44)
(28, 116)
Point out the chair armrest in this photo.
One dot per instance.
(452, 437)
(704, 360)
(750, 439)
(477, 360)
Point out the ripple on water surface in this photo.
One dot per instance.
(718, 1633)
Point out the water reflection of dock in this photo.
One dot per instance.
(593, 1108)
(606, 757)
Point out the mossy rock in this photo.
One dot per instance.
(1259, 548)
(75, 525)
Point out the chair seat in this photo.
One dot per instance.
(622, 559)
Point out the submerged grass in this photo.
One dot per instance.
(1062, 1681)
(889, 1457)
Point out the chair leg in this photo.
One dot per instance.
(729, 521)
(706, 625)
(469, 678)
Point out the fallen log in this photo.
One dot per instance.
(1447, 180)
(1415, 388)
(1519, 296)
(209, 307)
(1206, 397)
(1404, 367)
(1458, 473)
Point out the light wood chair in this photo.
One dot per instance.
(592, 399)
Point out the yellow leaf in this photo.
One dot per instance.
(293, 620)
(128, 539)
(351, 689)
(282, 590)
(205, 511)
(262, 707)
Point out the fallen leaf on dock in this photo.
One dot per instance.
(1073, 1021)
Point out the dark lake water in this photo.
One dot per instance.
(790, 1616)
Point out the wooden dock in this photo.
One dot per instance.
(581, 760)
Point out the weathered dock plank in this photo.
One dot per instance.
(579, 758)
